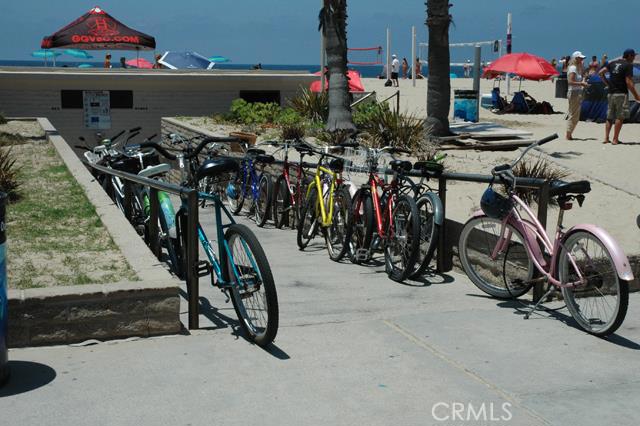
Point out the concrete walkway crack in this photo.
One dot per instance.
(459, 366)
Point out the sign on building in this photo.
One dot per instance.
(97, 110)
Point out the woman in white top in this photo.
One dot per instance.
(574, 94)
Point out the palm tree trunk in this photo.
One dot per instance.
(333, 23)
(439, 84)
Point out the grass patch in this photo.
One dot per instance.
(54, 234)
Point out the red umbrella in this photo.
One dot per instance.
(139, 63)
(355, 83)
(98, 30)
(525, 65)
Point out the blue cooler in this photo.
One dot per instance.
(4, 361)
(465, 105)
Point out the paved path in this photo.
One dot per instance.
(353, 348)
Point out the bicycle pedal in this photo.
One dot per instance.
(362, 254)
(204, 268)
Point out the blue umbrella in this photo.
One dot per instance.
(45, 54)
(77, 53)
(85, 66)
(185, 60)
(219, 59)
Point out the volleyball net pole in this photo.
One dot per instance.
(413, 55)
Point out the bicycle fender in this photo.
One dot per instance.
(620, 260)
(438, 210)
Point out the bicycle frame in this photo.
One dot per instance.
(223, 246)
(249, 171)
(374, 182)
(295, 195)
(321, 206)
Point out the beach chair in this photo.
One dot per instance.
(519, 103)
(498, 101)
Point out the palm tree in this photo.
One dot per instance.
(333, 24)
(439, 84)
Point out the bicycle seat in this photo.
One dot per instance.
(264, 159)
(216, 166)
(400, 166)
(256, 151)
(303, 149)
(559, 187)
(428, 167)
(337, 164)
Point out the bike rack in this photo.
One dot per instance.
(189, 224)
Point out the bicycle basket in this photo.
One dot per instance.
(495, 205)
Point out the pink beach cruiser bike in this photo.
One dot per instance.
(505, 250)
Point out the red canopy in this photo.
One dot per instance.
(139, 63)
(97, 30)
(355, 83)
(525, 65)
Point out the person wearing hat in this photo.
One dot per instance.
(395, 67)
(619, 83)
(576, 89)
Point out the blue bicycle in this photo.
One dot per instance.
(253, 184)
(240, 268)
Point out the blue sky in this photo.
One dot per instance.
(285, 31)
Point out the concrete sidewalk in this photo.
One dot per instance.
(353, 348)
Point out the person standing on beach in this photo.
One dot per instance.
(123, 62)
(467, 68)
(395, 65)
(620, 83)
(574, 94)
(594, 66)
(107, 60)
(157, 64)
(418, 67)
(604, 61)
(405, 68)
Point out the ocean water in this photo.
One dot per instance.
(369, 71)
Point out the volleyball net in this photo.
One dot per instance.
(364, 56)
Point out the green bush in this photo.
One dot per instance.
(311, 105)
(244, 112)
(365, 112)
(292, 124)
(9, 183)
(386, 127)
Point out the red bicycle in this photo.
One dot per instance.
(394, 215)
(290, 196)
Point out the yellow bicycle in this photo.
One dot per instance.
(328, 213)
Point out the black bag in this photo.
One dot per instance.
(387, 83)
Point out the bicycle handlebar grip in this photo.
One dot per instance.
(402, 151)
(154, 145)
(151, 137)
(351, 144)
(547, 139)
(228, 139)
(117, 136)
(135, 129)
(501, 168)
(133, 135)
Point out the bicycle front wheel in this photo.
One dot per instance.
(282, 209)
(361, 224)
(253, 292)
(235, 194)
(308, 223)
(403, 239)
(338, 233)
(263, 202)
(506, 275)
(429, 230)
(599, 305)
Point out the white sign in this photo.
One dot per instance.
(97, 109)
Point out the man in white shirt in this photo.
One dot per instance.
(395, 67)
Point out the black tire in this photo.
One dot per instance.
(173, 244)
(338, 235)
(308, 223)
(262, 208)
(429, 231)
(362, 223)
(401, 251)
(282, 209)
(300, 202)
(254, 293)
(600, 306)
(236, 202)
(507, 275)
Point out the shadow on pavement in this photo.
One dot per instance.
(25, 376)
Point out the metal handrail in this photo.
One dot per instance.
(367, 96)
(189, 223)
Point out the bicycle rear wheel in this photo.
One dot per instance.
(235, 194)
(402, 245)
(506, 276)
(282, 209)
(263, 202)
(308, 223)
(253, 292)
(338, 233)
(599, 305)
(429, 230)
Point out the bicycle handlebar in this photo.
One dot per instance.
(195, 152)
(547, 139)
